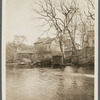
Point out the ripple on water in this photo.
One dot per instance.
(48, 84)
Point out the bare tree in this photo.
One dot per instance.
(87, 21)
(18, 40)
(91, 8)
(90, 14)
(10, 52)
(60, 17)
(70, 12)
(83, 29)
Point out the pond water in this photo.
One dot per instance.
(49, 84)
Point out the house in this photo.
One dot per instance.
(25, 54)
(55, 48)
(68, 47)
(89, 39)
(48, 47)
(40, 45)
(43, 48)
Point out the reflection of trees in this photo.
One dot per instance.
(14, 73)
(73, 87)
(67, 89)
(60, 91)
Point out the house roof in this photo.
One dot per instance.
(48, 40)
(25, 50)
(40, 40)
(44, 40)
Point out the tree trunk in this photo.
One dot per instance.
(74, 48)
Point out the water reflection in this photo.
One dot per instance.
(48, 84)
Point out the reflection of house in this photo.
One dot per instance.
(25, 53)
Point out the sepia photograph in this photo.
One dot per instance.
(49, 50)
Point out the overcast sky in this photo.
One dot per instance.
(19, 20)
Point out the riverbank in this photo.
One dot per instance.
(76, 69)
